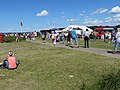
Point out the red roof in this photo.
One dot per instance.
(98, 28)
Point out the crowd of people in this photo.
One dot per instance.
(71, 37)
(26, 35)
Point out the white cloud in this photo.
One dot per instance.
(27, 28)
(17, 29)
(43, 13)
(108, 20)
(115, 9)
(114, 20)
(116, 17)
(100, 11)
(10, 29)
(82, 14)
(72, 20)
(90, 21)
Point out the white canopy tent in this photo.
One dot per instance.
(79, 29)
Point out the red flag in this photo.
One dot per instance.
(21, 24)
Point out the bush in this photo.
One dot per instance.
(22, 39)
(110, 81)
(12, 39)
(9, 39)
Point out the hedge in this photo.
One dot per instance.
(12, 39)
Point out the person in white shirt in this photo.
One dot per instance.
(109, 37)
(86, 38)
(117, 42)
(52, 36)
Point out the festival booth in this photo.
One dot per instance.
(101, 30)
(104, 29)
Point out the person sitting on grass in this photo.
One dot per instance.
(10, 62)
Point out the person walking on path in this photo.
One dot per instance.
(43, 37)
(109, 37)
(69, 37)
(54, 36)
(86, 39)
(74, 37)
(55, 39)
(117, 41)
(63, 37)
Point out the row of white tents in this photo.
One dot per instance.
(79, 29)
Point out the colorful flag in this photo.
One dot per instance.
(21, 24)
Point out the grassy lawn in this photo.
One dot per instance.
(49, 68)
(98, 44)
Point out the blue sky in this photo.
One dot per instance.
(45, 14)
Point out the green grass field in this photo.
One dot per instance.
(99, 44)
(49, 68)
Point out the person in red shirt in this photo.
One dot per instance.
(10, 62)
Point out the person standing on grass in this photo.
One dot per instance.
(17, 37)
(35, 34)
(63, 37)
(43, 37)
(109, 37)
(52, 37)
(106, 37)
(94, 36)
(49, 37)
(69, 37)
(117, 41)
(74, 37)
(86, 38)
(32, 36)
(55, 38)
